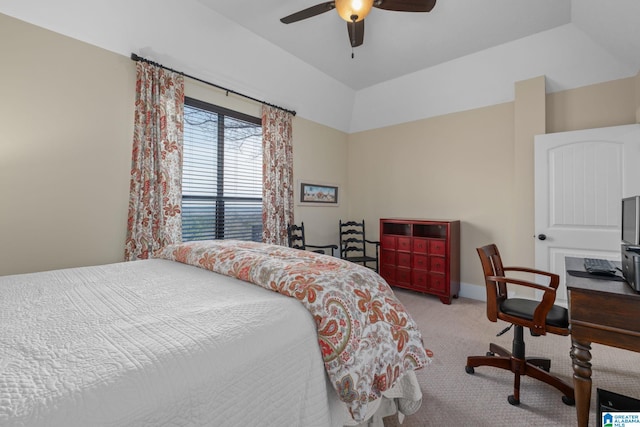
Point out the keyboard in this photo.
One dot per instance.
(599, 266)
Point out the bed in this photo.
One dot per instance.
(220, 333)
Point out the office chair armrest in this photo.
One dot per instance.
(554, 279)
(544, 306)
(521, 282)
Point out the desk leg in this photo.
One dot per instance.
(581, 357)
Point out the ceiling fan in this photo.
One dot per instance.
(354, 12)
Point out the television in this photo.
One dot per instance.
(631, 221)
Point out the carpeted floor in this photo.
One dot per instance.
(451, 397)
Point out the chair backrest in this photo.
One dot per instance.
(295, 236)
(496, 290)
(352, 239)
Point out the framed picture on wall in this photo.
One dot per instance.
(318, 194)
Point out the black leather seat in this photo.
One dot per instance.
(524, 308)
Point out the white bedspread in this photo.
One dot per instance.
(367, 338)
(143, 344)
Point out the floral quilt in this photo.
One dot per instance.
(367, 338)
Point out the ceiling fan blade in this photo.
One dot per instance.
(405, 5)
(309, 12)
(356, 33)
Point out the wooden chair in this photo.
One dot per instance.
(539, 317)
(353, 244)
(297, 240)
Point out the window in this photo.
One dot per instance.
(222, 174)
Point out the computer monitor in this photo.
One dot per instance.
(630, 248)
(631, 221)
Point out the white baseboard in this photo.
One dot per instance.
(473, 291)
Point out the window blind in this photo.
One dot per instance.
(222, 174)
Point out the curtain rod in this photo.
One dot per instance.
(137, 58)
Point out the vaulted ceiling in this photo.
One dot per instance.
(399, 43)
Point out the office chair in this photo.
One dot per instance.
(539, 317)
(353, 244)
(297, 240)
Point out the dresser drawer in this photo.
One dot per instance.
(437, 247)
(420, 262)
(420, 245)
(388, 242)
(437, 283)
(403, 276)
(388, 273)
(403, 259)
(387, 257)
(437, 264)
(404, 244)
(420, 280)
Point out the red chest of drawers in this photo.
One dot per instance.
(421, 255)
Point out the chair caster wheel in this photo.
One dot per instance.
(568, 401)
(512, 400)
(469, 369)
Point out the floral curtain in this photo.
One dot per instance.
(154, 219)
(277, 168)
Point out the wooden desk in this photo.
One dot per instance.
(601, 311)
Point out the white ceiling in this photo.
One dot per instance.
(399, 43)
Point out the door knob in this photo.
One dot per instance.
(542, 237)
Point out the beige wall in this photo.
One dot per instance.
(637, 90)
(320, 156)
(457, 166)
(66, 123)
(529, 121)
(607, 104)
(477, 165)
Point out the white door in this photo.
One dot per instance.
(580, 179)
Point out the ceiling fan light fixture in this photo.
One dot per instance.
(353, 10)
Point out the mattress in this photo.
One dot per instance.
(156, 342)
